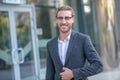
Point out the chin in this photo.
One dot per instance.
(64, 31)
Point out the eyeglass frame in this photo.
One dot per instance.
(65, 18)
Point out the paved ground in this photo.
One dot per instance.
(112, 75)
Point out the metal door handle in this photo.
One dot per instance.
(18, 55)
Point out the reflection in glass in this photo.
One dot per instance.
(5, 48)
(24, 40)
(43, 23)
(46, 29)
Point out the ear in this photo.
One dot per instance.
(73, 19)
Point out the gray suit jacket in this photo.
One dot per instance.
(79, 50)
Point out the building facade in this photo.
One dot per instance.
(27, 26)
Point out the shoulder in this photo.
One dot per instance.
(52, 40)
(79, 35)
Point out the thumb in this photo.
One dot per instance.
(64, 68)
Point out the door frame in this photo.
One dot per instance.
(23, 8)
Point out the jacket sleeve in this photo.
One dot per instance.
(95, 65)
(49, 66)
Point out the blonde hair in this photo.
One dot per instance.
(65, 8)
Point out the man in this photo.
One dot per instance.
(67, 53)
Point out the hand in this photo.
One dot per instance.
(67, 74)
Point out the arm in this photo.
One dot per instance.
(93, 58)
(49, 67)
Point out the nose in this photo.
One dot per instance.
(63, 20)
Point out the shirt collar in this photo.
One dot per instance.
(67, 39)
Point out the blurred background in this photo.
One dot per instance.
(27, 25)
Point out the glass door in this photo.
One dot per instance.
(18, 49)
(6, 67)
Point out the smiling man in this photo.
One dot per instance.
(67, 53)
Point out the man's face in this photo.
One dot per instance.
(64, 21)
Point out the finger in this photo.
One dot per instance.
(64, 68)
(60, 74)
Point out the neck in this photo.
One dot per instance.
(63, 36)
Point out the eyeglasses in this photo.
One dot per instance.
(66, 18)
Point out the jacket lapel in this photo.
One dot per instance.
(70, 46)
(56, 52)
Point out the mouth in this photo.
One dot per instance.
(64, 25)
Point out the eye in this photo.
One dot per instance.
(60, 18)
(66, 18)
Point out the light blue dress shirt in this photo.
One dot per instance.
(63, 46)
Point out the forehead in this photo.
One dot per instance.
(64, 13)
